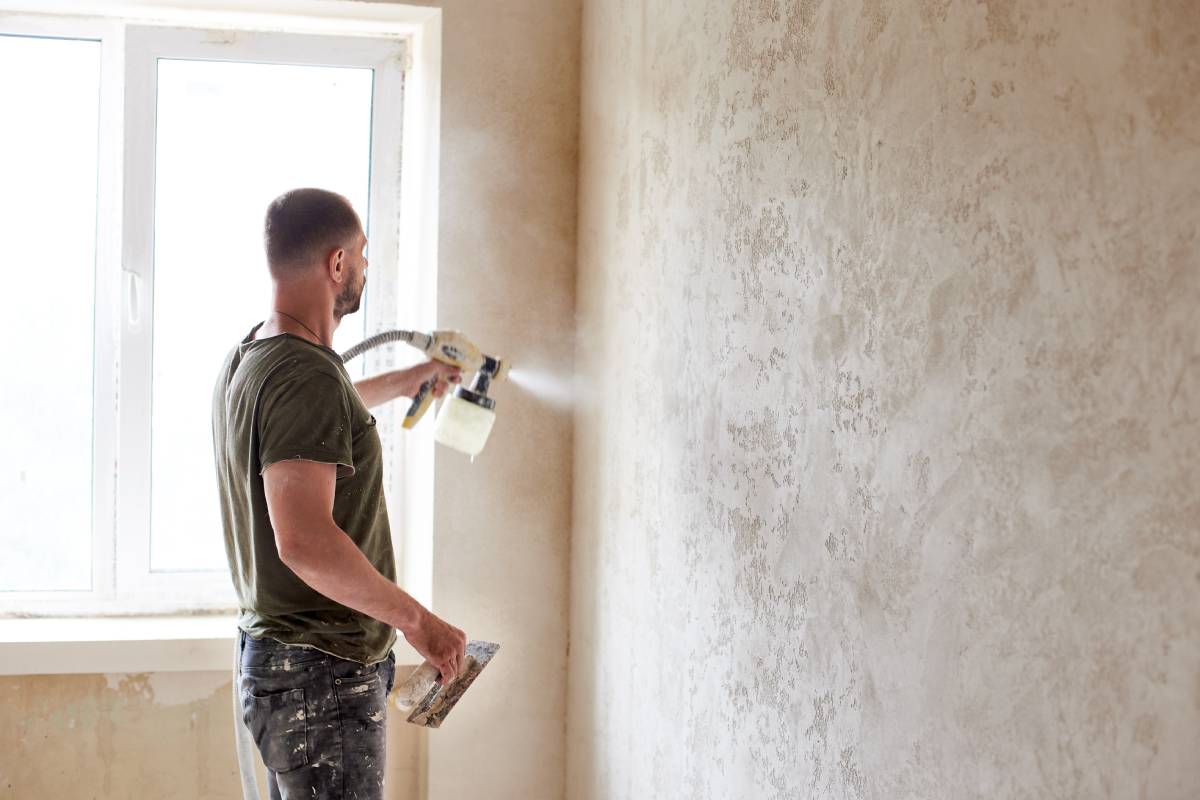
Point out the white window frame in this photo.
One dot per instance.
(402, 45)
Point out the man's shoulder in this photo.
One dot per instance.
(288, 359)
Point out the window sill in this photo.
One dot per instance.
(89, 645)
(63, 646)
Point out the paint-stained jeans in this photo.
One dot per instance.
(320, 722)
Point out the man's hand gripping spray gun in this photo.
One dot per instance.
(467, 416)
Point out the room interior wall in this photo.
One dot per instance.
(887, 488)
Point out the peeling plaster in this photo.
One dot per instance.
(167, 688)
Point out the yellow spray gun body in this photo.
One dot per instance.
(448, 347)
(454, 349)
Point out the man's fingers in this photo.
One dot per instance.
(439, 370)
(440, 375)
(458, 659)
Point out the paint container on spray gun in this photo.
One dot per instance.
(467, 416)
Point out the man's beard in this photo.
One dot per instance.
(349, 300)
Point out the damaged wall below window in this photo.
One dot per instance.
(142, 735)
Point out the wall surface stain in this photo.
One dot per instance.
(892, 490)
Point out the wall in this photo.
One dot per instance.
(507, 207)
(888, 485)
(509, 155)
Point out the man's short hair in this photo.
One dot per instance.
(303, 225)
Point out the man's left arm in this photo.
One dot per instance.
(387, 386)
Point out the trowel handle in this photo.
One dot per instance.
(413, 689)
(420, 403)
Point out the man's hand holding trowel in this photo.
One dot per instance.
(443, 645)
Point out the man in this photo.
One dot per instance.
(306, 529)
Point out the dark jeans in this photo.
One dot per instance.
(320, 722)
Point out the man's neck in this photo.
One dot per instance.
(299, 319)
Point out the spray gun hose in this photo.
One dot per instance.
(421, 341)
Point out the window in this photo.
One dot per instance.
(137, 162)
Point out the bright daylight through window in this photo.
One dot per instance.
(48, 230)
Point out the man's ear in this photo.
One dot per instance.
(336, 265)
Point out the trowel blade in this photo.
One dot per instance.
(435, 705)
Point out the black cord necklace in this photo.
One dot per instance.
(301, 322)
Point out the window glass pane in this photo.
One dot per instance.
(231, 137)
(50, 96)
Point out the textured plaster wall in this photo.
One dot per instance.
(143, 735)
(889, 316)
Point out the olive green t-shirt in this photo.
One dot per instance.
(279, 398)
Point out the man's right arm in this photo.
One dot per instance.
(300, 501)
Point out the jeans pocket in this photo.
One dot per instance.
(362, 705)
(278, 722)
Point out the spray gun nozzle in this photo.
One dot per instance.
(493, 369)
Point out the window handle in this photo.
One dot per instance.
(134, 296)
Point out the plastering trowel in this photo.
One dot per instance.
(429, 702)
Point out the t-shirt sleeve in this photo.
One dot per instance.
(306, 417)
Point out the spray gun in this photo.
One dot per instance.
(467, 416)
